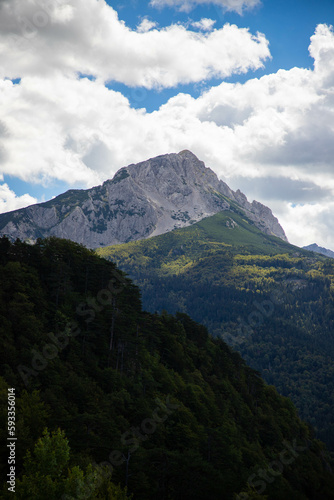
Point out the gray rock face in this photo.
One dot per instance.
(142, 200)
(323, 251)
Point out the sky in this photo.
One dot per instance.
(90, 86)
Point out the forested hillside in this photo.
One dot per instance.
(271, 301)
(167, 410)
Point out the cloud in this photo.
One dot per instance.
(9, 201)
(204, 24)
(71, 37)
(271, 136)
(146, 25)
(322, 51)
(186, 5)
(310, 223)
(283, 189)
(52, 124)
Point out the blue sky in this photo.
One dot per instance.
(88, 86)
(288, 25)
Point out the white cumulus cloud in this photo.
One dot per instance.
(272, 136)
(186, 5)
(88, 37)
(146, 25)
(10, 201)
(204, 24)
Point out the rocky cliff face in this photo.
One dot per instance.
(142, 200)
(323, 251)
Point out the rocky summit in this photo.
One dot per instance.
(323, 251)
(142, 200)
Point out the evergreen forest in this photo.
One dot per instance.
(271, 301)
(114, 402)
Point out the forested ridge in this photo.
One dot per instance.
(271, 301)
(109, 396)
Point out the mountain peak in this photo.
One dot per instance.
(141, 200)
(188, 154)
(317, 249)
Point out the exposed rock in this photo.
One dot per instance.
(324, 251)
(142, 200)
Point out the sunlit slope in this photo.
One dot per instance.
(169, 410)
(225, 233)
(270, 300)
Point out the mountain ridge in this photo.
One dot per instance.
(268, 299)
(141, 200)
(172, 412)
(321, 250)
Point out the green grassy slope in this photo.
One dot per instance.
(213, 233)
(270, 300)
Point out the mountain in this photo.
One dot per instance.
(323, 251)
(271, 301)
(147, 199)
(170, 411)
